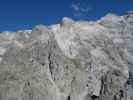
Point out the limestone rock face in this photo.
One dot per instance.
(69, 61)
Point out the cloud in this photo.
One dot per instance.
(80, 8)
(75, 7)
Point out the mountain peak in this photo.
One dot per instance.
(74, 60)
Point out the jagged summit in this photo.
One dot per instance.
(67, 20)
(130, 12)
(72, 60)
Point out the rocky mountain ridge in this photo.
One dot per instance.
(73, 60)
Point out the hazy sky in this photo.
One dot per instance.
(23, 14)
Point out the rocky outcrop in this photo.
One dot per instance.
(69, 61)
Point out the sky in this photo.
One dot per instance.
(25, 14)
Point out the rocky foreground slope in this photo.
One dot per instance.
(69, 61)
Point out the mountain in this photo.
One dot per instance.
(72, 60)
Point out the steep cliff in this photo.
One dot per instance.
(69, 61)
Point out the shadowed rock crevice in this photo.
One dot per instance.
(68, 98)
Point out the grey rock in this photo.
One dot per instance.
(69, 61)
